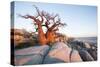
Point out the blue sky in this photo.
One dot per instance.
(81, 20)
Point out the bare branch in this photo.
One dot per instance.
(53, 17)
(56, 29)
(39, 13)
(47, 17)
(37, 9)
(28, 16)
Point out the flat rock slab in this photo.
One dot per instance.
(31, 55)
(58, 53)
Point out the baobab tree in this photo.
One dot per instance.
(50, 21)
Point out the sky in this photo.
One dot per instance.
(81, 20)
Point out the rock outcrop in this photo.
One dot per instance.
(93, 53)
(60, 52)
(87, 51)
(75, 56)
(85, 55)
(31, 55)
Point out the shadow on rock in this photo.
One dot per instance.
(85, 55)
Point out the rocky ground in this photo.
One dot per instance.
(59, 52)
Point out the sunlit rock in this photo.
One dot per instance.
(75, 57)
(87, 45)
(59, 52)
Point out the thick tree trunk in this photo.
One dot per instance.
(50, 36)
(41, 36)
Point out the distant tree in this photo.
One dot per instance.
(50, 21)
